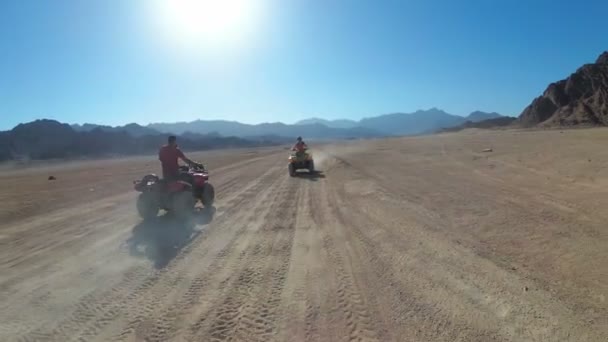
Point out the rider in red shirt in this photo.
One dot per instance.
(169, 155)
(300, 146)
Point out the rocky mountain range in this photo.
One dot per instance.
(49, 139)
(396, 124)
(339, 123)
(232, 128)
(419, 122)
(580, 99)
(502, 121)
(132, 128)
(478, 116)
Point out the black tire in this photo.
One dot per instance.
(292, 170)
(208, 196)
(311, 167)
(183, 205)
(147, 206)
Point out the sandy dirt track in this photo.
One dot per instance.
(414, 239)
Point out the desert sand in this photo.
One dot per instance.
(410, 239)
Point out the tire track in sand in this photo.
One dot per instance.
(323, 299)
(96, 310)
(249, 306)
(169, 321)
(147, 323)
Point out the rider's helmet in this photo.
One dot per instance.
(299, 138)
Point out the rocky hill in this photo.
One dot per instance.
(581, 99)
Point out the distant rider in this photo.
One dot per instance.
(169, 155)
(300, 146)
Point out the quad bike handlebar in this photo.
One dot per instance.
(194, 167)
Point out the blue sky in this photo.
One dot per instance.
(112, 62)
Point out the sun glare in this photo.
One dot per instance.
(196, 22)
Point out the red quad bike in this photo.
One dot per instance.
(176, 196)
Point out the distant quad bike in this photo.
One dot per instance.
(176, 196)
(301, 160)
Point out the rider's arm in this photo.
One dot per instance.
(181, 156)
(188, 161)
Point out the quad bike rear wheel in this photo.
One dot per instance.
(147, 207)
(208, 196)
(183, 204)
(311, 167)
(292, 170)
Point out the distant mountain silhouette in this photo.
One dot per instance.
(579, 99)
(41, 139)
(478, 116)
(340, 123)
(49, 139)
(420, 122)
(501, 121)
(232, 128)
(132, 128)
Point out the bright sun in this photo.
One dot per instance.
(208, 21)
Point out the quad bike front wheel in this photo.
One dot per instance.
(208, 196)
(147, 206)
(183, 204)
